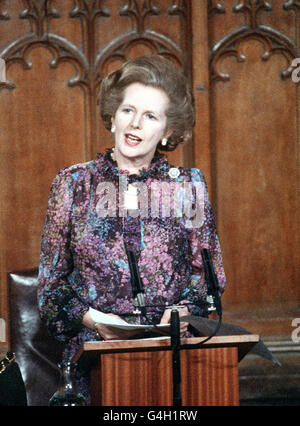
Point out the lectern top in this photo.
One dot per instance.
(243, 343)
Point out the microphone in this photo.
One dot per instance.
(213, 297)
(136, 283)
(175, 345)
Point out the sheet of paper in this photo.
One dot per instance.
(111, 321)
(105, 319)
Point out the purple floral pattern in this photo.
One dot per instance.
(83, 261)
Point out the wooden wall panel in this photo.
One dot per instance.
(56, 54)
(143, 27)
(256, 186)
(34, 146)
(254, 136)
(40, 133)
(237, 55)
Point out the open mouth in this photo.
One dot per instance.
(132, 140)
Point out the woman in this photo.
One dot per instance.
(93, 215)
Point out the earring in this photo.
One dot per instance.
(164, 141)
(113, 128)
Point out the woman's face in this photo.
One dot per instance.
(140, 121)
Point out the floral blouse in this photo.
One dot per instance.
(83, 260)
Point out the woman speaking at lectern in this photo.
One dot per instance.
(131, 198)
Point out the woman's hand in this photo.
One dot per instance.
(182, 311)
(108, 333)
(112, 333)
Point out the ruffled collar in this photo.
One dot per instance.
(108, 166)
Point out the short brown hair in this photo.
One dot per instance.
(159, 72)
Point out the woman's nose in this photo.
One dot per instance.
(136, 121)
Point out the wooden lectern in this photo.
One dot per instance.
(139, 372)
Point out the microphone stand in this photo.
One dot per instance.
(175, 345)
(140, 308)
(136, 283)
(213, 297)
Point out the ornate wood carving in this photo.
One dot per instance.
(294, 6)
(252, 10)
(76, 32)
(273, 41)
(4, 16)
(90, 66)
(138, 12)
(215, 8)
(291, 4)
(179, 7)
(158, 43)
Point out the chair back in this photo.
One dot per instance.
(37, 353)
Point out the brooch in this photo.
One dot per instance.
(174, 172)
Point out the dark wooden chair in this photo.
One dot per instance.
(37, 353)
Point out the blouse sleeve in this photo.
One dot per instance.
(203, 235)
(61, 308)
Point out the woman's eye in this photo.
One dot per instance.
(127, 110)
(151, 116)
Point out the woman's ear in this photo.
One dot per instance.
(113, 127)
(168, 134)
